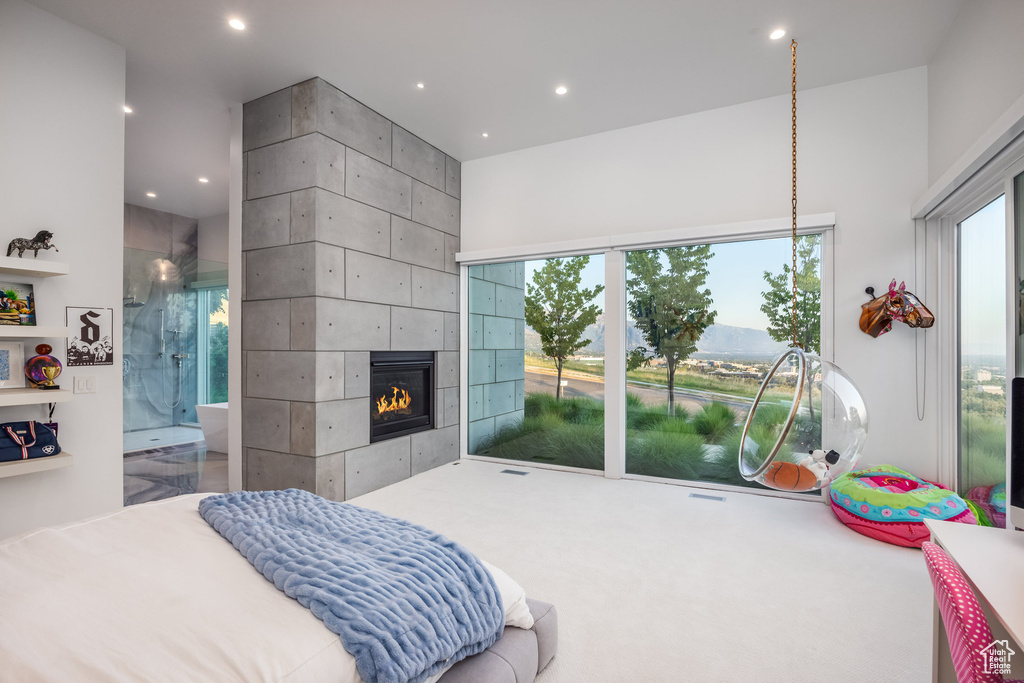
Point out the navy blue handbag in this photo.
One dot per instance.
(24, 440)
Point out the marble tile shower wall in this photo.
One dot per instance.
(350, 227)
(160, 256)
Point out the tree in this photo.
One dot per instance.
(778, 300)
(559, 310)
(668, 305)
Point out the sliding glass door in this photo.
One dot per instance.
(982, 353)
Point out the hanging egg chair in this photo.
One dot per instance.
(808, 423)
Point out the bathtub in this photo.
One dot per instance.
(213, 417)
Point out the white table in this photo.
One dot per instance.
(993, 561)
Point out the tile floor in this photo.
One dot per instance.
(167, 471)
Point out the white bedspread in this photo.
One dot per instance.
(152, 593)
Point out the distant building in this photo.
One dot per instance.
(984, 375)
(990, 389)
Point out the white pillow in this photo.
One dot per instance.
(513, 598)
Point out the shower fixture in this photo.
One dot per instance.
(130, 302)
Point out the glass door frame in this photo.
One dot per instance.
(987, 185)
(614, 249)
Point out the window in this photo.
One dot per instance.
(212, 344)
(692, 330)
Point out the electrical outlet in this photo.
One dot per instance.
(85, 384)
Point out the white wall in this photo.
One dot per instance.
(213, 243)
(62, 169)
(862, 155)
(973, 78)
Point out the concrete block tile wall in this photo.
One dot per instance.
(303, 429)
(435, 208)
(509, 302)
(476, 330)
(338, 262)
(499, 398)
(511, 419)
(478, 431)
(378, 465)
(303, 215)
(453, 177)
(267, 219)
(352, 326)
(434, 448)
(270, 470)
(476, 402)
(378, 280)
(342, 425)
(446, 370)
(434, 290)
(357, 374)
(329, 375)
(269, 423)
(267, 120)
(520, 394)
(451, 331)
(413, 329)
(267, 324)
(481, 297)
(285, 375)
(352, 123)
(378, 185)
(499, 333)
(451, 248)
(348, 223)
(508, 365)
(416, 158)
(502, 273)
(304, 107)
(481, 366)
(330, 270)
(271, 273)
(417, 244)
(303, 324)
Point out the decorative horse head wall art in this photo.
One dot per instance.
(877, 315)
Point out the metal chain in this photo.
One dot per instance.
(792, 48)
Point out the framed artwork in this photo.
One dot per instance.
(90, 336)
(17, 304)
(12, 365)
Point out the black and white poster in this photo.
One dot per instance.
(90, 336)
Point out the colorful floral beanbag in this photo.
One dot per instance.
(890, 504)
(992, 501)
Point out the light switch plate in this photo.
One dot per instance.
(85, 384)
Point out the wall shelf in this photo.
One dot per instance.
(32, 267)
(32, 331)
(50, 462)
(31, 396)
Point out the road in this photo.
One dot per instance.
(690, 399)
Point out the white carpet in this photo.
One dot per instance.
(653, 585)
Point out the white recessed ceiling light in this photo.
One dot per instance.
(561, 90)
(777, 33)
(127, 109)
(237, 24)
(420, 86)
(486, 135)
(151, 194)
(204, 180)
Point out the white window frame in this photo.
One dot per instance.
(993, 179)
(614, 248)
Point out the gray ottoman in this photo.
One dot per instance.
(517, 657)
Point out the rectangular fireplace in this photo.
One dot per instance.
(401, 393)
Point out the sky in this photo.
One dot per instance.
(735, 278)
(983, 281)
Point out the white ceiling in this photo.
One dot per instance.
(488, 65)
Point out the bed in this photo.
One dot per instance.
(152, 592)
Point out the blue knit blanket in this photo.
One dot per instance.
(405, 601)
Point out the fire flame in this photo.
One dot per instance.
(399, 402)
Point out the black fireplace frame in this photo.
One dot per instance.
(411, 361)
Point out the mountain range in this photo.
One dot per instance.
(718, 341)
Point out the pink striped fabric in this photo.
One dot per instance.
(966, 627)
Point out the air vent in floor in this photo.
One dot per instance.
(521, 474)
(720, 499)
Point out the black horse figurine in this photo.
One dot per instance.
(40, 241)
